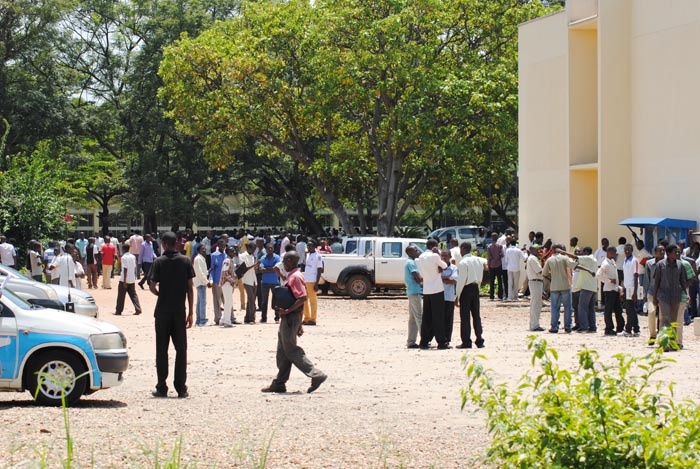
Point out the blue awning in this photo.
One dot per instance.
(665, 222)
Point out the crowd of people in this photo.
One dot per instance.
(626, 280)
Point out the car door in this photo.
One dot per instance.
(8, 344)
(389, 262)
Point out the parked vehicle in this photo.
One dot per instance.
(47, 295)
(51, 353)
(471, 233)
(380, 266)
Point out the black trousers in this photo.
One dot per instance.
(171, 326)
(433, 324)
(449, 319)
(146, 266)
(122, 290)
(632, 318)
(612, 304)
(502, 276)
(469, 306)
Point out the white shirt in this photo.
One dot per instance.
(428, 264)
(79, 272)
(456, 255)
(600, 255)
(502, 240)
(283, 245)
(533, 268)
(128, 262)
(620, 256)
(301, 250)
(249, 277)
(470, 270)
(200, 271)
(99, 241)
(65, 269)
(514, 258)
(630, 267)
(606, 273)
(313, 262)
(7, 254)
(641, 254)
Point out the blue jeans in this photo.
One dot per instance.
(201, 304)
(558, 298)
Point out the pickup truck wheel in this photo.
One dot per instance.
(358, 287)
(52, 374)
(338, 291)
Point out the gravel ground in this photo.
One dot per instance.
(382, 406)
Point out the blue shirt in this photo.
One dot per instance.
(147, 255)
(450, 289)
(268, 263)
(81, 244)
(217, 261)
(412, 287)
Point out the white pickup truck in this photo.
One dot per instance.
(379, 264)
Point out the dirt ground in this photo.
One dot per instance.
(382, 406)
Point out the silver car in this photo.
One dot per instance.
(47, 295)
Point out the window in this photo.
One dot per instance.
(391, 249)
(452, 233)
(351, 246)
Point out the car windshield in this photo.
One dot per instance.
(14, 299)
(13, 273)
(419, 245)
(468, 233)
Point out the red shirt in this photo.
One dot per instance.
(295, 281)
(108, 253)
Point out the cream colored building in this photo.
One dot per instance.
(609, 120)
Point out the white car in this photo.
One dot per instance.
(48, 295)
(53, 354)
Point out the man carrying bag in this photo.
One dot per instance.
(288, 352)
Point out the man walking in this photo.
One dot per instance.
(433, 323)
(414, 291)
(171, 282)
(147, 256)
(670, 279)
(127, 282)
(288, 352)
(470, 274)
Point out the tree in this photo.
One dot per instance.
(34, 202)
(397, 90)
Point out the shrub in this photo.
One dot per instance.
(600, 416)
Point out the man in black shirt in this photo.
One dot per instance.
(171, 281)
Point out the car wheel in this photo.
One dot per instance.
(338, 291)
(53, 374)
(358, 287)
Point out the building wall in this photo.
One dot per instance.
(543, 130)
(609, 99)
(665, 103)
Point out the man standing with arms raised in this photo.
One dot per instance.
(433, 324)
(171, 282)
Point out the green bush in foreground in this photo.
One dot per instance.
(600, 416)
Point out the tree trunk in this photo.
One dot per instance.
(104, 217)
(150, 222)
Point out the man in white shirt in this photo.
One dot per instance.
(250, 282)
(127, 281)
(630, 269)
(35, 264)
(8, 256)
(607, 273)
(201, 283)
(620, 258)
(301, 250)
(535, 283)
(600, 253)
(135, 243)
(312, 274)
(513, 260)
(63, 267)
(283, 243)
(470, 275)
(455, 251)
(433, 324)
